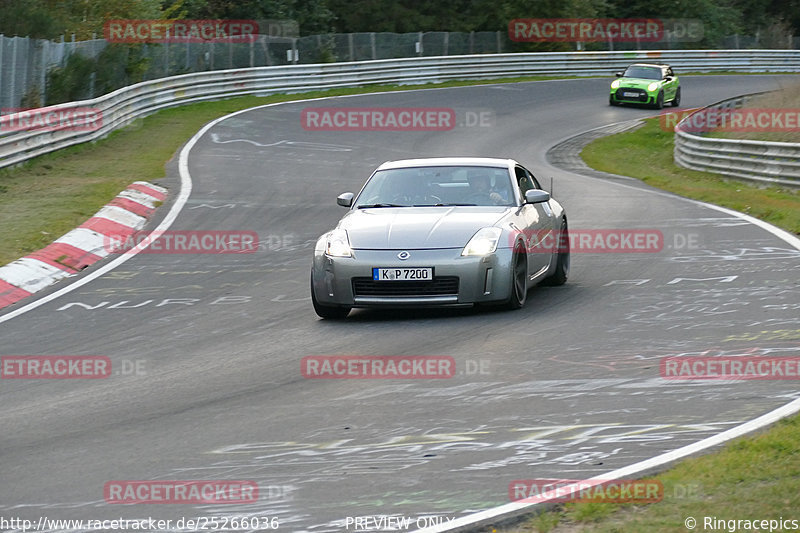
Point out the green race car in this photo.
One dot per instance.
(648, 84)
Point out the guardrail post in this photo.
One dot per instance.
(42, 70)
(350, 45)
(2, 46)
(13, 84)
(166, 54)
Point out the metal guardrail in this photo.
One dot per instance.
(123, 106)
(766, 162)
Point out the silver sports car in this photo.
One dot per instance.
(441, 231)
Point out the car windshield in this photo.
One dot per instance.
(645, 73)
(437, 186)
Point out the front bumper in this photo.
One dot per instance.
(458, 280)
(625, 95)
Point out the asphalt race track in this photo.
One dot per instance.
(207, 347)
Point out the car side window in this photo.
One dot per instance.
(534, 182)
(523, 181)
(526, 180)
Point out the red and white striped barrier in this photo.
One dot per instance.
(86, 244)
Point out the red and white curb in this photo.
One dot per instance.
(86, 244)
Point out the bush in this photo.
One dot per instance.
(70, 82)
(82, 77)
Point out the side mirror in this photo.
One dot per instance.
(618, 74)
(536, 196)
(345, 199)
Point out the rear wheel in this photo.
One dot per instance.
(677, 100)
(559, 277)
(327, 311)
(519, 278)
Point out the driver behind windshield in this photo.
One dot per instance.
(481, 193)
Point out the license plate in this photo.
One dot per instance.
(630, 95)
(403, 274)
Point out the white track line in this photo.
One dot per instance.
(496, 513)
(510, 510)
(485, 518)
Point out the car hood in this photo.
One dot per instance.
(636, 83)
(410, 228)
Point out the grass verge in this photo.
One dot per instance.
(753, 478)
(756, 477)
(776, 105)
(646, 154)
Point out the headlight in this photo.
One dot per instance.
(483, 242)
(615, 84)
(338, 244)
(652, 87)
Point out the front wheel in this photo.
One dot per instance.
(559, 277)
(327, 311)
(611, 101)
(660, 100)
(519, 279)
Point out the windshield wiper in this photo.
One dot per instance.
(453, 204)
(380, 205)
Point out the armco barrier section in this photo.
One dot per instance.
(124, 105)
(765, 162)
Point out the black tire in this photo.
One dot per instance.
(660, 100)
(611, 101)
(333, 312)
(559, 277)
(519, 279)
(677, 100)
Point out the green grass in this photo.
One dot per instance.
(756, 477)
(647, 154)
(787, 98)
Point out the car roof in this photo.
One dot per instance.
(449, 162)
(653, 65)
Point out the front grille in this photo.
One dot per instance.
(641, 95)
(440, 286)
